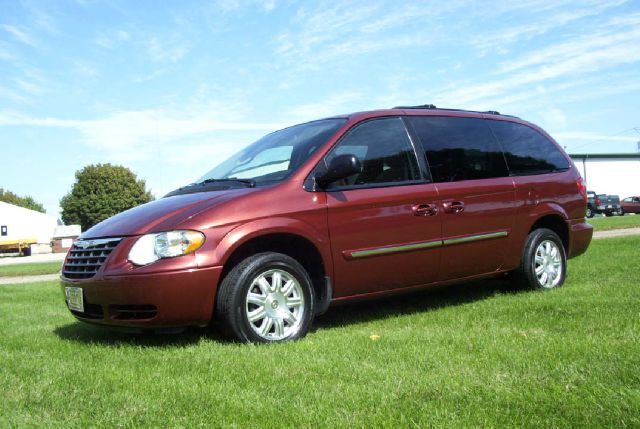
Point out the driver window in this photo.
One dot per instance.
(384, 150)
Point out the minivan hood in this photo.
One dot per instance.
(160, 215)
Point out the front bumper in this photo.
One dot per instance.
(580, 234)
(156, 300)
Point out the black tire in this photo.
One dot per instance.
(26, 251)
(526, 274)
(232, 306)
(589, 212)
(608, 214)
(620, 211)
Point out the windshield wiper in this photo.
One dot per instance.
(250, 182)
(202, 186)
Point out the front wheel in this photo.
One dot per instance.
(266, 298)
(589, 212)
(620, 211)
(544, 261)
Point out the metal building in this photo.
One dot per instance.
(610, 173)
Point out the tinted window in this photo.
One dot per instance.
(384, 150)
(459, 148)
(526, 150)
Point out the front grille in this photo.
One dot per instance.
(87, 256)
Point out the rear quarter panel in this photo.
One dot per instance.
(541, 195)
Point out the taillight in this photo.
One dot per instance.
(582, 189)
(598, 201)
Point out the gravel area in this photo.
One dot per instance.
(28, 279)
(45, 257)
(616, 233)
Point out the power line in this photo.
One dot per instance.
(636, 129)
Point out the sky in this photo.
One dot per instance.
(170, 89)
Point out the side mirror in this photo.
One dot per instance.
(340, 167)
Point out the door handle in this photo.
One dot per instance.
(424, 209)
(453, 206)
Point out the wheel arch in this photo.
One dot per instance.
(555, 222)
(288, 236)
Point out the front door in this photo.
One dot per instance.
(384, 222)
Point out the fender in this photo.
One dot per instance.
(266, 226)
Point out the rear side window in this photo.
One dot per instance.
(526, 150)
(384, 150)
(459, 148)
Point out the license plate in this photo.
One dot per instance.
(74, 298)
(609, 207)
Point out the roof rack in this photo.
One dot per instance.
(423, 106)
(433, 106)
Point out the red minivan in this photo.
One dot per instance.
(349, 207)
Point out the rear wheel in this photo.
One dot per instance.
(544, 261)
(589, 212)
(266, 298)
(620, 211)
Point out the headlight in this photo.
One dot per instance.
(151, 247)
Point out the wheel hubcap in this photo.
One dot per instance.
(548, 264)
(275, 305)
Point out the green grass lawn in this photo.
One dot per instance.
(615, 222)
(31, 269)
(472, 355)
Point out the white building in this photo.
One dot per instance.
(18, 223)
(610, 173)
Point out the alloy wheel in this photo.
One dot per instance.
(548, 264)
(275, 305)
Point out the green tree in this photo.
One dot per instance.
(26, 202)
(101, 191)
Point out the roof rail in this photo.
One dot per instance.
(433, 106)
(423, 106)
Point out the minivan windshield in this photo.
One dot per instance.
(275, 156)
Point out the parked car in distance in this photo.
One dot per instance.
(349, 207)
(608, 204)
(631, 205)
(591, 204)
